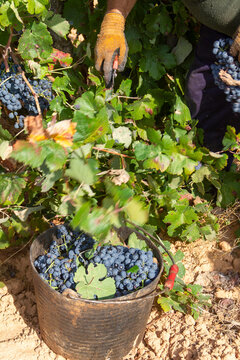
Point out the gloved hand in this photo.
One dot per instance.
(111, 41)
(235, 48)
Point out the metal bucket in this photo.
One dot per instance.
(80, 329)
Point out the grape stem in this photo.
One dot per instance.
(27, 82)
(152, 237)
(5, 60)
(7, 49)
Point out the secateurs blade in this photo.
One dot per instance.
(114, 72)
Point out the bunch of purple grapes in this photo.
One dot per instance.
(16, 96)
(60, 263)
(227, 63)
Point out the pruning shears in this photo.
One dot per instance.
(114, 72)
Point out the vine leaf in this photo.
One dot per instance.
(4, 243)
(62, 132)
(182, 50)
(136, 212)
(36, 6)
(35, 154)
(63, 58)
(135, 242)
(4, 134)
(83, 171)
(35, 42)
(11, 187)
(90, 284)
(57, 24)
(122, 135)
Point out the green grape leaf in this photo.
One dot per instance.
(143, 151)
(182, 215)
(181, 112)
(199, 175)
(57, 24)
(136, 212)
(83, 171)
(182, 50)
(135, 242)
(177, 164)
(160, 162)
(25, 152)
(36, 6)
(76, 13)
(125, 87)
(92, 283)
(4, 134)
(7, 14)
(165, 57)
(11, 187)
(50, 179)
(4, 243)
(61, 84)
(134, 40)
(133, 270)
(86, 104)
(152, 65)
(35, 42)
(35, 154)
(142, 108)
(122, 135)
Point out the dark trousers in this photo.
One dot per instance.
(206, 101)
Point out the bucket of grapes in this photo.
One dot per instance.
(93, 300)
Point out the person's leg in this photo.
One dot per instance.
(206, 101)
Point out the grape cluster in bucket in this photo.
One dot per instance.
(226, 62)
(59, 264)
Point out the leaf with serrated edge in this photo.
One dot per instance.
(90, 283)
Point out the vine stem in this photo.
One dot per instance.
(7, 49)
(27, 82)
(110, 151)
(152, 237)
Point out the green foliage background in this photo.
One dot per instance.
(164, 179)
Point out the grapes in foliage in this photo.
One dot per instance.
(17, 98)
(131, 268)
(229, 64)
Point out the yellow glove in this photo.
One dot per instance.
(235, 48)
(111, 41)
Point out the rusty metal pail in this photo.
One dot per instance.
(81, 329)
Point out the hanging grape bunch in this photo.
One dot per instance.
(17, 97)
(226, 72)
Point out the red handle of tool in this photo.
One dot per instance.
(115, 63)
(171, 276)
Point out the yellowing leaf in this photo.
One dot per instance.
(136, 212)
(62, 132)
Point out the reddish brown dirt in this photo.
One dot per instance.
(171, 336)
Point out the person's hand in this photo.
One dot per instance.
(235, 48)
(111, 41)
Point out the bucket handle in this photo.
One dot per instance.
(169, 283)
